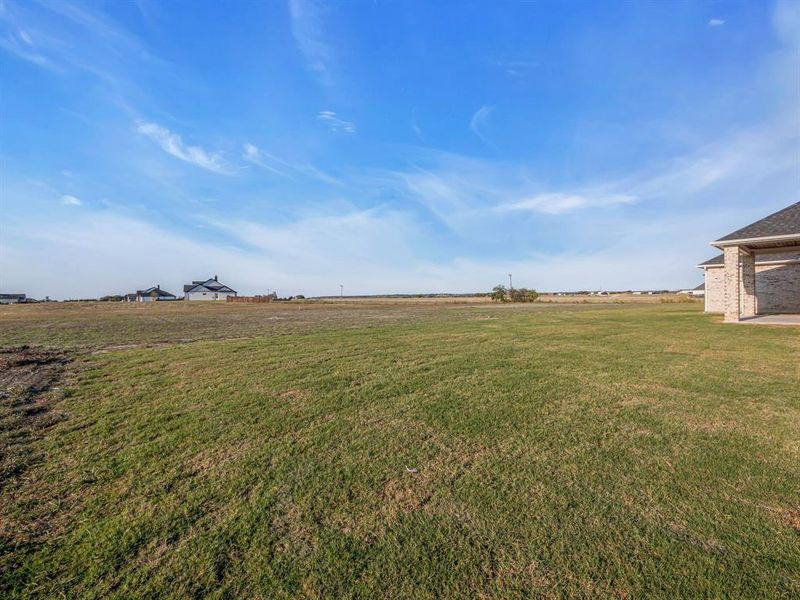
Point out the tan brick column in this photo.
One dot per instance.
(731, 283)
(748, 275)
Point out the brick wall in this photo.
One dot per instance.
(777, 286)
(715, 292)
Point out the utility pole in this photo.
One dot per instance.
(510, 285)
(341, 291)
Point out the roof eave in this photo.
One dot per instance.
(756, 240)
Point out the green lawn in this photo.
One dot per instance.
(627, 451)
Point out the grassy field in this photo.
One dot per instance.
(398, 451)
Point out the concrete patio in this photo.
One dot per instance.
(772, 320)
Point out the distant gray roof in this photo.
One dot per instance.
(158, 291)
(717, 260)
(211, 285)
(700, 287)
(783, 222)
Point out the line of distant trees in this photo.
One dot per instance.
(501, 293)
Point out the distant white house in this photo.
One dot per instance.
(210, 289)
(151, 294)
(700, 291)
(12, 298)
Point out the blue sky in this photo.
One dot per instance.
(388, 146)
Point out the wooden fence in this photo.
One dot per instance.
(258, 299)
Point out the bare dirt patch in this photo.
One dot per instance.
(789, 517)
(530, 576)
(28, 368)
(414, 488)
(29, 379)
(28, 388)
(294, 394)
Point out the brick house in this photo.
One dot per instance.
(758, 271)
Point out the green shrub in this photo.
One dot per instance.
(523, 295)
(501, 294)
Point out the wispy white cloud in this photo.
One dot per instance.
(447, 192)
(716, 22)
(462, 192)
(62, 35)
(740, 161)
(517, 68)
(479, 121)
(469, 195)
(334, 123)
(173, 144)
(337, 241)
(149, 9)
(25, 37)
(254, 155)
(17, 39)
(308, 29)
(415, 127)
(250, 152)
(69, 200)
(559, 203)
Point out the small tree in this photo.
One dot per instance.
(523, 295)
(499, 293)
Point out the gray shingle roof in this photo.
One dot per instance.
(783, 222)
(158, 291)
(211, 285)
(717, 260)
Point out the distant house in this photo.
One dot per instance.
(152, 294)
(758, 271)
(12, 298)
(700, 290)
(210, 289)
